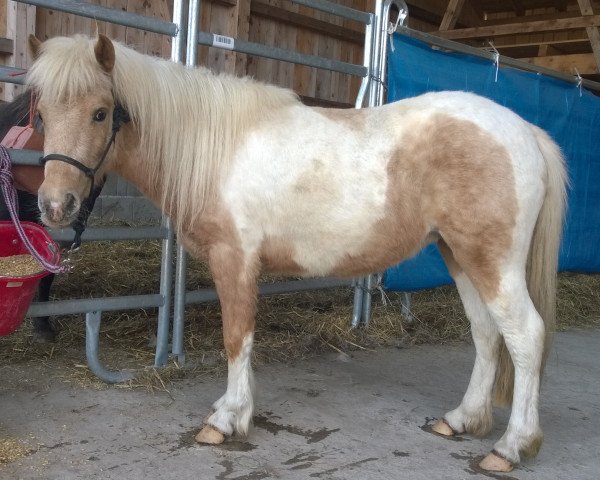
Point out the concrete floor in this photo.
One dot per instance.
(327, 418)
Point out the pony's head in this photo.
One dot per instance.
(72, 78)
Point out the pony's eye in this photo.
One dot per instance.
(100, 115)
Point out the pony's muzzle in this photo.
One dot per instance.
(59, 211)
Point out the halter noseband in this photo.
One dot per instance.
(120, 116)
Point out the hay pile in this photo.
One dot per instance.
(289, 326)
(12, 450)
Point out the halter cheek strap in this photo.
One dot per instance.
(120, 116)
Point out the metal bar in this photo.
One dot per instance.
(210, 294)
(367, 300)
(367, 53)
(24, 157)
(376, 57)
(97, 12)
(275, 53)
(192, 33)
(166, 266)
(507, 61)
(335, 9)
(83, 305)
(100, 234)
(177, 348)
(92, 340)
(402, 16)
(368, 86)
(12, 75)
(358, 299)
(377, 98)
(179, 306)
(405, 310)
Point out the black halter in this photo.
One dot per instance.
(120, 116)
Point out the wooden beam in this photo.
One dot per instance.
(530, 18)
(452, 14)
(227, 3)
(583, 62)
(430, 9)
(587, 10)
(304, 21)
(518, 8)
(6, 46)
(571, 23)
(586, 7)
(533, 43)
(594, 35)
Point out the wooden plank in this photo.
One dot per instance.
(20, 22)
(243, 33)
(154, 43)
(586, 7)
(325, 49)
(452, 14)
(522, 27)
(116, 32)
(6, 46)
(584, 62)
(3, 18)
(286, 34)
(280, 14)
(594, 35)
(306, 42)
(205, 27)
(223, 21)
(579, 39)
(593, 32)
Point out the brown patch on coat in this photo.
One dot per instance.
(471, 197)
(453, 267)
(448, 179)
(353, 118)
(213, 235)
(277, 256)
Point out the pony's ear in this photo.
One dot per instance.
(34, 45)
(105, 53)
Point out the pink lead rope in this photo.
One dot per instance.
(10, 197)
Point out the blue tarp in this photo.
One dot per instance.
(569, 114)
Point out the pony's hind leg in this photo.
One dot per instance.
(237, 289)
(507, 312)
(474, 414)
(523, 331)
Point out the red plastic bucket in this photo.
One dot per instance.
(16, 293)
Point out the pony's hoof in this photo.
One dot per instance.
(494, 463)
(210, 435)
(442, 427)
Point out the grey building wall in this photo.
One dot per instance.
(121, 201)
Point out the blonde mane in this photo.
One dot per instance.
(189, 120)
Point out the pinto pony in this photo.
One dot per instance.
(255, 181)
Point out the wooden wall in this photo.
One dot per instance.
(273, 22)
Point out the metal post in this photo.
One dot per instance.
(166, 267)
(373, 101)
(377, 98)
(177, 349)
(179, 306)
(92, 335)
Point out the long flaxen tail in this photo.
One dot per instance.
(542, 261)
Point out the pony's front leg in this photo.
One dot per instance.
(236, 282)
